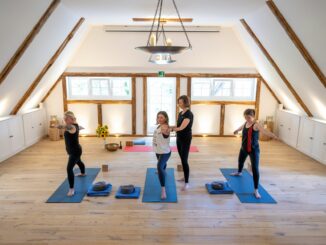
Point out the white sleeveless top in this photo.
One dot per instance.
(161, 145)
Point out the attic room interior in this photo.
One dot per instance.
(162, 122)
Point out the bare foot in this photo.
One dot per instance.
(185, 187)
(80, 175)
(71, 192)
(181, 180)
(163, 193)
(257, 195)
(236, 174)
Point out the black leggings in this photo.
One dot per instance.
(254, 158)
(183, 145)
(161, 166)
(72, 161)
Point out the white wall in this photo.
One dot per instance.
(39, 52)
(116, 51)
(206, 119)
(234, 117)
(118, 118)
(268, 104)
(14, 30)
(286, 55)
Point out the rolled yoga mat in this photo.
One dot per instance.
(243, 187)
(81, 187)
(152, 190)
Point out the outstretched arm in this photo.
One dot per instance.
(239, 129)
(264, 131)
(165, 130)
(70, 128)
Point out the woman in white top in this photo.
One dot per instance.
(161, 146)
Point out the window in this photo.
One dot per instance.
(223, 88)
(161, 94)
(105, 88)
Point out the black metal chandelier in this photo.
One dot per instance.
(161, 52)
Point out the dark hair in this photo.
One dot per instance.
(249, 112)
(164, 114)
(185, 99)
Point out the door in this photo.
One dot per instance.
(161, 96)
(319, 142)
(306, 135)
(16, 133)
(5, 149)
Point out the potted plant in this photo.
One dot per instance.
(102, 132)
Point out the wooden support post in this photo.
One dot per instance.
(222, 119)
(177, 95)
(64, 93)
(145, 105)
(133, 106)
(99, 114)
(257, 101)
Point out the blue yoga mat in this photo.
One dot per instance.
(139, 142)
(225, 190)
(152, 190)
(134, 195)
(81, 187)
(243, 187)
(106, 192)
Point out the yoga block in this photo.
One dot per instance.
(105, 167)
(54, 134)
(180, 168)
(129, 143)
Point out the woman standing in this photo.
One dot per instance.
(184, 136)
(161, 146)
(73, 149)
(250, 146)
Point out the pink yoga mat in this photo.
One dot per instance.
(146, 148)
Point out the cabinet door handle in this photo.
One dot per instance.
(40, 124)
(289, 128)
(11, 136)
(324, 143)
(281, 125)
(311, 138)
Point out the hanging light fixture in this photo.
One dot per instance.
(161, 53)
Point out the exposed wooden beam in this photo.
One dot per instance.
(112, 102)
(297, 42)
(271, 91)
(27, 41)
(257, 101)
(278, 70)
(51, 89)
(133, 109)
(189, 87)
(208, 102)
(222, 119)
(177, 95)
(99, 114)
(125, 74)
(64, 93)
(47, 67)
(145, 105)
(162, 19)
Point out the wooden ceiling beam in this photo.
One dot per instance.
(162, 19)
(278, 70)
(27, 41)
(297, 42)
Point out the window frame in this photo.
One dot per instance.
(91, 96)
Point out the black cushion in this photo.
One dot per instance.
(127, 189)
(99, 186)
(216, 185)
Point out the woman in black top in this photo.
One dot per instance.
(73, 149)
(184, 135)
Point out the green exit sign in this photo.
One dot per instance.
(161, 74)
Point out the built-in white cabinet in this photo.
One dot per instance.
(288, 127)
(34, 126)
(305, 134)
(11, 136)
(312, 139)
(21, 131)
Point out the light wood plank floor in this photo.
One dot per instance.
(297, 182)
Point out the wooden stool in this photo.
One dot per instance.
(105, 167)
(54, 134)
